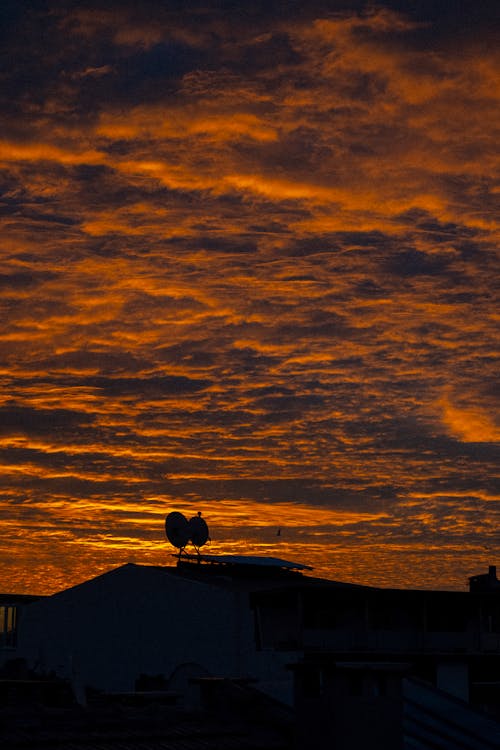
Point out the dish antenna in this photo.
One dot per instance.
(180, 531)
(177, 530)
(198, 530)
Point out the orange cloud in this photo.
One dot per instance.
(249, 269)
(471, 424)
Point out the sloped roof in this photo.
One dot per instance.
(132, 730)
(235, 717)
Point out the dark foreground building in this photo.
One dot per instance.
(326, 663)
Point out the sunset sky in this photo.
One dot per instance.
(249, 266)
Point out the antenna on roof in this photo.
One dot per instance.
(198, 530)
(180, 531)
(177, 530)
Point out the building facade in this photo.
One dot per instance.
(336, 651)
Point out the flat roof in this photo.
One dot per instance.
(264, 562)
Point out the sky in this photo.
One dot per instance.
(249, 267)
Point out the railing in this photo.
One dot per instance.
(346, 639)
(489, 642)
(398, 641)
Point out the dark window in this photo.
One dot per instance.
(355, 684)
(491, 616)
(278, 622)
(311, 682)
(320, 615)
(380, 684)
(325, 610)
(389, 612)
(445, 614)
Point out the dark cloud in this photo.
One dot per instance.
(32, 421)
(224, 245)
(164, 385)
(413, 262)
(139, 76)
(274, 51)
(24, 279)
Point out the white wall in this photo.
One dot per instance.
(137, 620)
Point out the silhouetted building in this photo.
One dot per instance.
(181, 622)
(360, 664)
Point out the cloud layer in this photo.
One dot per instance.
(248, 266)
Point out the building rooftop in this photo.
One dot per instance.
(246, 560)
(126, 727)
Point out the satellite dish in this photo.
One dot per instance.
(177, 529)
(198, 531)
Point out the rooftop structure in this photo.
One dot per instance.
(248, 620)
(486, 581)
